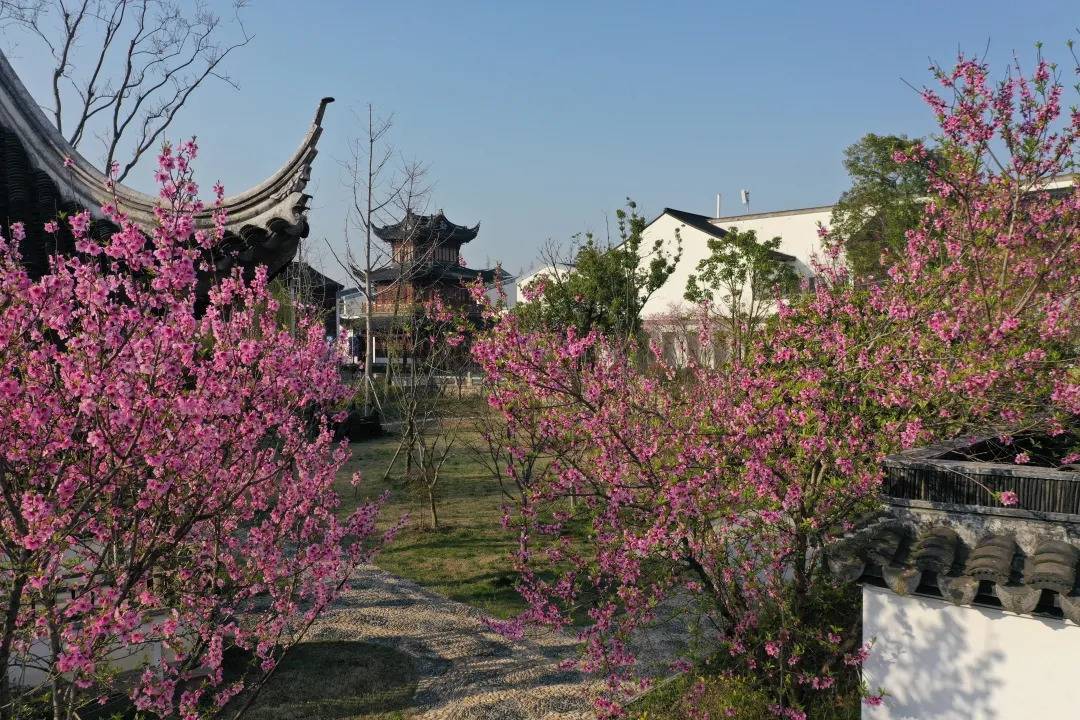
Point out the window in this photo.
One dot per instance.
(446, 254)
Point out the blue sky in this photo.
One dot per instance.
(537, 119)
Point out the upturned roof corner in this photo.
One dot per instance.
(43, 175)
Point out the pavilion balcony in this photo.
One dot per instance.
(355, 309)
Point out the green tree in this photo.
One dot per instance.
(882, 204)
(742, 277)
(605, 286)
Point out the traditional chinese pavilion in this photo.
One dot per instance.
(42, 175)
(425, 261)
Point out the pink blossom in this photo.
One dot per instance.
(1009, 498)
(731, 477)
(231, 506)
(80, 223)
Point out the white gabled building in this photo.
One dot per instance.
(524, 281)
(797, 230)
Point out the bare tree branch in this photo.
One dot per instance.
(383, 193)
(145, 59)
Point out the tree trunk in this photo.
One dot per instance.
(432, 508)
(54, 648)
(11, 615)
(369, 350)
(369, 343)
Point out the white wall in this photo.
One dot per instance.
(694, 249)
(26, 670)
(797, 230)
(939, 661)
(522, 282)
(508, 291)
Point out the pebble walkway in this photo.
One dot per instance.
(467, 672)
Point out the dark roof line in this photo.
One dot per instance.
(702, 223)
(775, 213)
(427, 227)
(314, 277)
(435, 271)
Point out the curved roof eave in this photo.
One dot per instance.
(280, 197)
(423, 228)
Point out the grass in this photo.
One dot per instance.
(711, 691)
(718, 697)
(338, 681)
(468, 557)
(322, 680)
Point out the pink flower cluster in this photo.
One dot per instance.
(738, 478)
(169, 471)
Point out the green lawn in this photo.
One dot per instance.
(719, 697)
(318, 680)
(467, 559)
(331, 680)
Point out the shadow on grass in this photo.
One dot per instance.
(335, 680)
(446, 539)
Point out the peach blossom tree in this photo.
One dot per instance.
(720, 491)
(167, 469)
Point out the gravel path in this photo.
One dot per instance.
(466, 671)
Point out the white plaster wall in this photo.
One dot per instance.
(508, 292)
(694, 249)
(798, 232)
(28, 672)
(522, 282)
(939, 661)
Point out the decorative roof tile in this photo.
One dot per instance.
(1053, 566)
(933, 558)
(992, 558)
(935, 550)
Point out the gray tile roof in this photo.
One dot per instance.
(429, 229)
(933, 559)
(42, 175)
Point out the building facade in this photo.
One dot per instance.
(425, 264)
(800, 243)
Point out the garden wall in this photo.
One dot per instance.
(939, 661)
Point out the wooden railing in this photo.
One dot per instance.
(357, 309)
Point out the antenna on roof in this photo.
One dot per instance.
(717, 205)
(744, 195)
